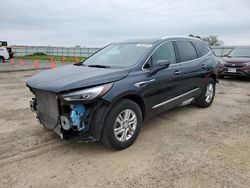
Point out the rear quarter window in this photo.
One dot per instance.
(186, 51)
(202, 48)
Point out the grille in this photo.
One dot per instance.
(47, 107)
(233, 65)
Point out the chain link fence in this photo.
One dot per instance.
(220, 51)
(54, 51)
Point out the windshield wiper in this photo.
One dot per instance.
(100, 66)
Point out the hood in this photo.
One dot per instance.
(236, 60)
(70, 77)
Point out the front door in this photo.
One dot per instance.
(162, 87)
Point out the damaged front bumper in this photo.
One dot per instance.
(74, 121)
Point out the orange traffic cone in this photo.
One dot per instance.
(52, 64)
(63, 59)
(77, 60)
(21, 63)
(37, 64)
(12, 62)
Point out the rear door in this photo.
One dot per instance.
(189, 66)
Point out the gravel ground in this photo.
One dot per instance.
(183, 147)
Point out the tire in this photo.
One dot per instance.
(1, 60)
(127, 129)
(207, 95)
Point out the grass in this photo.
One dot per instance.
(45, 57)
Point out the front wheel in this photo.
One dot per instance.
(122, 125)
(1, 60)
(207, 95)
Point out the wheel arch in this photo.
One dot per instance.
(212, 74)
(101, 112)
(138, 100)
(214, 77)
(132, 95)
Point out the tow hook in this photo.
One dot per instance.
(33, 104)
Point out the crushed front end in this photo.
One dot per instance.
(68, 116)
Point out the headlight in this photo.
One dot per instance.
(88, 94)
(247, 64)
(221, 62)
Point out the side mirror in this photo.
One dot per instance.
(159, 65)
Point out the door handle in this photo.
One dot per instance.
(177, 72)
(143, 83)
(203, 66)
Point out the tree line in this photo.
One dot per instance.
(211, 39)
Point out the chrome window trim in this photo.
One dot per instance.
(189, 60)
(152, 53)
(175, 98)
(174, 64)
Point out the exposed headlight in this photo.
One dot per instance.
(88, 94)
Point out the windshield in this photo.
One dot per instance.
(240, 52)
(118, 55)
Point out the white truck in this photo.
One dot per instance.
(5, 52)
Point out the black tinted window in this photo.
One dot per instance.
(164, 52)
(186, 51)
(202, 48)
(3, 43)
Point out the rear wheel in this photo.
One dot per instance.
(122, 125)
(207, 96)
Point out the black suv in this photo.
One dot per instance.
(109, 95)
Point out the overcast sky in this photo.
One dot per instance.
(99, 22)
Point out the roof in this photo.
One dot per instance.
(181, 37)
(154, 40)
(147, 41)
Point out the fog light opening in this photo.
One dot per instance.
(65, 122)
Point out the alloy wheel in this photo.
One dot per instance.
(125, 125)
(209, 93)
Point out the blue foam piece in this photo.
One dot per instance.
(75, 115)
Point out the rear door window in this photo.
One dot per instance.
(186, 51)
